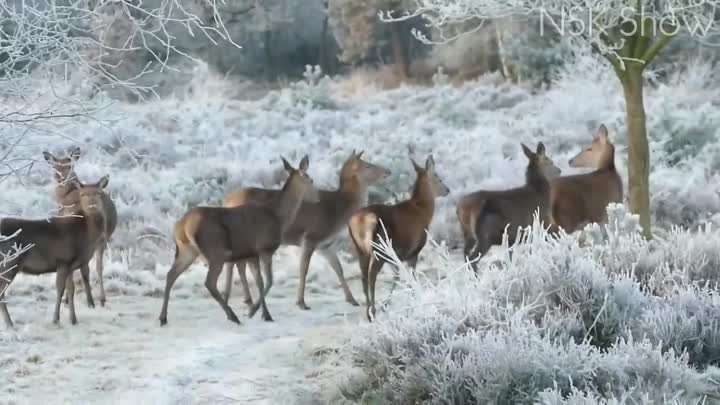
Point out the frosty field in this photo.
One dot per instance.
(588, 304)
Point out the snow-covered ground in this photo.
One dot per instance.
(165, 157)
(120, 355)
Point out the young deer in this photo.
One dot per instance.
(248, 232)
(59, 244)
(483, 215)
(405, 222)
(67, 196)
(583, 198)
(317, 224)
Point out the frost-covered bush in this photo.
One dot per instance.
(550, 320)
(209, 139)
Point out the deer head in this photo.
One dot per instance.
(299, 181)
(540, 162)
(438, 187)
(600, 152)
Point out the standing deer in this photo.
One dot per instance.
(318, 224)
(248, 232)
(59, 244)
(583, 198)
(67, 196)
(484, 215)
(406, 224)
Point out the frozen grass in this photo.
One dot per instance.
(196, 147)
(548, 322)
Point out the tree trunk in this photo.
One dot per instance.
(270, 70)
(400, 57)
(324, 64)
(638, 150)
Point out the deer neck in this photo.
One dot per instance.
(64, 185)
(350, 185)
(288, 206)
(535, 179)
(423, 198)
(95, 223)
(607, 159)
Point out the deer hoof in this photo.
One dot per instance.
(91, 304)
(248, 302)
(163, 321)
(267, 318)
(302, 305)
(233, 318)
(102, 302)
(352, 301)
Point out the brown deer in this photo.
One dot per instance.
(59, 244)
(67, 196)
(583, 198)
(318, 224)
(484, 214)
(248, 232)
(406, 224)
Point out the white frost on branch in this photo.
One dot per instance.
(47, 38)
(598, 22)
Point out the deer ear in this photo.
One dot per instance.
(540, 149)
(49, 156)
(529, 153)
(287, 165)
(304, 163)
(359, 154)
(602, 133)
(416, 166)
(430, 164)
(75, 153)
(103, 182)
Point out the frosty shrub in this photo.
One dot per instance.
(314, 90)
(555, 322)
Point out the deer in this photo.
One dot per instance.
(405, 224)
(484, 215)
(583, 198)
(58, 244)
(318, 224)
(250, 232)
(67, 196)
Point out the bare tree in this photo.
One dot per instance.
(629, 34)
(45, 42)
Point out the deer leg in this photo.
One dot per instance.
(364, 261)
(5, 280)
(215, 267)
(99, 255)
(375, 267)
(85, 273)
(182, 261)
(268, 276)
(264, 263)
(242, 275)
(71, 299)
(66, 299)
(331, 256)
(61, 279)
(228, 280)
(307, 250)
(255, 268)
